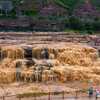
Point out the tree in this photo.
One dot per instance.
(16, 3)
(75, 23)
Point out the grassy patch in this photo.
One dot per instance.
(38, 94)
(31, 95)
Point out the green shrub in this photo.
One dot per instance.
(75, 23)
(69, 4)
(30, 13)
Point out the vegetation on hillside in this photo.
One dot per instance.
(69, 4)
(89, 20)
(78, 24)
(96, 3)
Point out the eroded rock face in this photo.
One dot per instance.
(78, 55)
(69, 62)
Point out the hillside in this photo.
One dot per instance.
(54, 15)
(68, 5)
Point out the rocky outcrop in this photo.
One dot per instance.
(70, 62)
